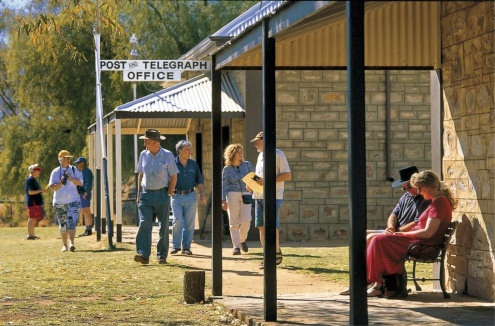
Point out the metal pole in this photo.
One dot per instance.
(134, 55)
(107, 199)
(357, 162)
(99, 127)
(98, 204)
(269, 174)
(216, 204)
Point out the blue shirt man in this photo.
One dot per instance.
(157, 177)
(82, 165)
(184, 203)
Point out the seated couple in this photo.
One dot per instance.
(423, 214)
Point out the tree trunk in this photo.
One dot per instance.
(194, 286)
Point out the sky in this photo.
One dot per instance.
(13, 4)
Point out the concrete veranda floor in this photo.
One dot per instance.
(320, 303)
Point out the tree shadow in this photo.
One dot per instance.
(315, 270)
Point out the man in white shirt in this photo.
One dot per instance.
(282, 174)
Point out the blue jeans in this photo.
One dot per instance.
(184, 210)
(157, 202)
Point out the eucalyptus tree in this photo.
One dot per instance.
(50, 75)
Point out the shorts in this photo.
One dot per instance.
(36, 212)
(86, 202)
(259, 213)
(67, 215)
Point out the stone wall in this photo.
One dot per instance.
(468, 63)
(312, 131)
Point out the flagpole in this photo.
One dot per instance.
(99, 129)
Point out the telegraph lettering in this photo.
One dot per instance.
(131, 75)
(113, 64)
(175, 65)
(142, 65)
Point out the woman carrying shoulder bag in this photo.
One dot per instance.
(236, 199)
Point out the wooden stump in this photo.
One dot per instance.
(194, 286)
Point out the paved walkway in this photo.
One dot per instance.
(304, 300)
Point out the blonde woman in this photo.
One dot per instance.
(233, 189)
(385, 253)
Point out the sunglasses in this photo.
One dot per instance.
(406, 187)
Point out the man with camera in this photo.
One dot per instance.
(66, 200)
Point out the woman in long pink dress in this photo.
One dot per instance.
(386, 252)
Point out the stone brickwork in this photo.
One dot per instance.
(468, 61)
(312, 131)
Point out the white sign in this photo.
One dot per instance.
(135, 76)
(149, 65)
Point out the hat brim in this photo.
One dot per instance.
(161, 138)
(398, 183)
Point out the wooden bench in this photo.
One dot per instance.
(431, 254)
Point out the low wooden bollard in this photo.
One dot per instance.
(194, 286)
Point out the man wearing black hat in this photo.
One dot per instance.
(156, 183)
(408, 209)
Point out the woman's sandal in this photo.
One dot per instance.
(278, 257)
(375, 291)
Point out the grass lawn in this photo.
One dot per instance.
(40, 285)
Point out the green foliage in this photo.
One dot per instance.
(47, 70)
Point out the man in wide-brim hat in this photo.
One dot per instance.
(64, 180)
(152, 134)
(157, 177)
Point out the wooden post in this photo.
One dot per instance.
(194, 286)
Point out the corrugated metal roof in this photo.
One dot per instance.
(171, 110)
(310, 34)
(234, 28)
(190, 99)
(249, 18)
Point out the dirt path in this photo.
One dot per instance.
(241, 274)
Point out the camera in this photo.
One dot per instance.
(64, 179)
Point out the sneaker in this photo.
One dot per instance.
(139, 258)
(346, 291)
(31, 237)
(175, 251)
(244, 247)
(162, 260)
(86, 233)
(236, 251)
(72, 247)
(64, 248)
(186, 252)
